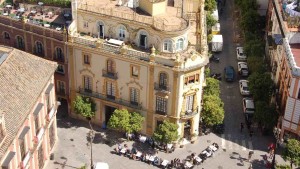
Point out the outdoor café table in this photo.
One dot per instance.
(188, 165)
(5, 14)
(138, 154)
(213, 148)
(123, 151)
(34, 12)
(198, 159)
(58, 28)
(151, 158)
(165, 163)
(143, 139)
(47, 25)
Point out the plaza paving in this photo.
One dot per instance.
(72, 149)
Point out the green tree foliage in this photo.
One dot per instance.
(122, 120)
(212, 87)
(207, 72)
(246, 5)
(292, 152)
(283, 167)
(249, 21)
(210, 5)
(166, 132)
(210, 20)
(256, 64)
(261, 86)
(59, 3)
(84, 106)
(213, 110)
(254, 48)
(265, 114)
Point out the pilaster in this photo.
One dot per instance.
(149, 118)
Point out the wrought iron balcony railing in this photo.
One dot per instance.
(110, 98)
(161, 88)
(112, 75)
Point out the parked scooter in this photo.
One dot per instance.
(216, 76)
(214, 59)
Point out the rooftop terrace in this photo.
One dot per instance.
(45, 16)
(171, 20)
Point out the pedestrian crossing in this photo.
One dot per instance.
(232, 143)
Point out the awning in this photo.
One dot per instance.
(49, 88)
(278, 39)
(115, 42)
(8, 158)
(24, 132)
(38, 109)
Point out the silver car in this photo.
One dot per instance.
(244, 88)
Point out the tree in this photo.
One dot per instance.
(254, 48)
(135, 122)
(249, 21)
(122, 120)
(261, 86)
(213, 110)
(256, 64)
(210, 5)
(292, 152)
(84, 106)
(212, 87)
(265, 114)
(210, 20)
(166, 132)
(283, 167)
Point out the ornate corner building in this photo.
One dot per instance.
(283, 48)
(146, 56)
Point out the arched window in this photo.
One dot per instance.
(100, 29)
(6, 35)
(122, 31)
(39, 48)
(179, 44)
(168, 45)
(143, 39)
(20, 43)
(163, 80)
(59, 53)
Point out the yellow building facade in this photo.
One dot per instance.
(146, 56)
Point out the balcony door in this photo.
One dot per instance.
(101, 30)
(110, 90)
(189, 103)
(143, 40)
(163, 80)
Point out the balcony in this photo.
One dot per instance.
(189, 113)
(161, 113)
(161, 88)
(110, 98)
(112, 75)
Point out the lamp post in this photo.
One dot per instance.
(276, 132)
(92, 136)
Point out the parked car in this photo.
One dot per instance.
(240, 54)
(243, 68)
(244, 89)
(248, 105)
(229, 73)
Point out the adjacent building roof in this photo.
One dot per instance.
(23, 77)
(295, 48)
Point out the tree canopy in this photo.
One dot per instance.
(210, 5)
(122, 120)
(213, 110)
(210, 20)
(212, 87)
(166, 132)
(292, 152)
(84, 106)
(261, 86)
(265, 114)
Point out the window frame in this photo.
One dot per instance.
(168, 45)
(87, 83)
(122, 32)
(134, 95)
(161, 105)
(163, 79)
(59, 88)
(180, 44)
(58, 70)
(86, 59)
(6, 35)
(39, 48)
(189, 104)
(59, 53)
(20, 42)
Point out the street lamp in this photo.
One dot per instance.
(92, 136)
(276, 132)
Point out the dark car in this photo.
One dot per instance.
(229, 73)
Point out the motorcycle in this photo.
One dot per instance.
(214, 59)
(216, 76)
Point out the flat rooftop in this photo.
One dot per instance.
(296, 52)
(168, 21)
